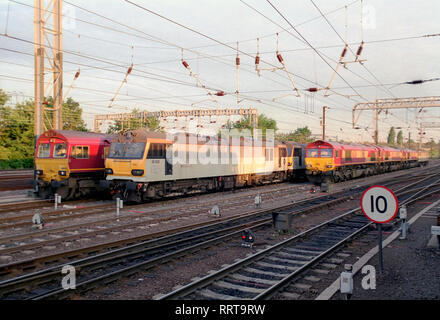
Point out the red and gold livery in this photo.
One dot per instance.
(69, 163)
(334, 161)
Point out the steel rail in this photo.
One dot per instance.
(192, 287)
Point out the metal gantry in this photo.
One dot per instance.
(48, 47)
(143, 115)
(380, 105)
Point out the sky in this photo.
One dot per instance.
(103, 38)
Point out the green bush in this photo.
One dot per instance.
(17, 164)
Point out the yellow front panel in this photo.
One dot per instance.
(51, 167)
(122, 167)
(320, 164)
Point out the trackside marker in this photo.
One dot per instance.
(380, 205)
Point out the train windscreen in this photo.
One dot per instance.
(60, 150)
(127, 150)
(44, 150)
(326, 153)
(312, 153)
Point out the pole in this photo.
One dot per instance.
(58, 65)
(324, 108)
(379, 228)
(38, 68)
(376, 126)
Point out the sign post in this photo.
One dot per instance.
(380, 205)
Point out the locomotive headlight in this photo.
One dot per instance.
(329, 166)
(108, 170)
(38, 172)
(62, 173)
(137, 172)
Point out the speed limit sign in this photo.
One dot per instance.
(379, 204)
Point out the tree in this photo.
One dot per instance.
(391, 137)
(264, 123)
(72, 116)
(3, 98)
(301, 135)
(17, 126)
(433, 148)
(17, 131)
(399, 139)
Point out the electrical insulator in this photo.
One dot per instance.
(220, 93)
(76, 74)
(312, 89)
(415, 82)
(358, 53)
(344, 52)
(185, 64)
(257, 60)
(237, 61)
(280, 58)
(129, 69)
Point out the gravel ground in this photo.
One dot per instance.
(411, 269)
(162, 279)
(145, 285)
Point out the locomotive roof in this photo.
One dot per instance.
(346, 145)
(71, 135)
(142, 135)
(339, 145)
(294, 144)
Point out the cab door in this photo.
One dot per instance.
(169, 160)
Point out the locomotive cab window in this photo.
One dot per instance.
(80, 152)
(326, 153)
(157, 151)
(126, 150)
(44, 150)
(312, 153)
(60, 150)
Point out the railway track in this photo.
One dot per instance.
(16, 243)
(76, 208)
(13, 221)
(106, 267)
(15, 180)
(48, 240)
(268, 272)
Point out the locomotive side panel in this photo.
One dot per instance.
(185, 165)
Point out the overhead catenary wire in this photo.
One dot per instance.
(201, 34)
(315, 80)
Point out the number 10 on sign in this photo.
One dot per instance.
(379, 204)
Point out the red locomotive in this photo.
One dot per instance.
(334, 161)
(69, 163)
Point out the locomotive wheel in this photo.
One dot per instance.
(43, 193)
(65, 192)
